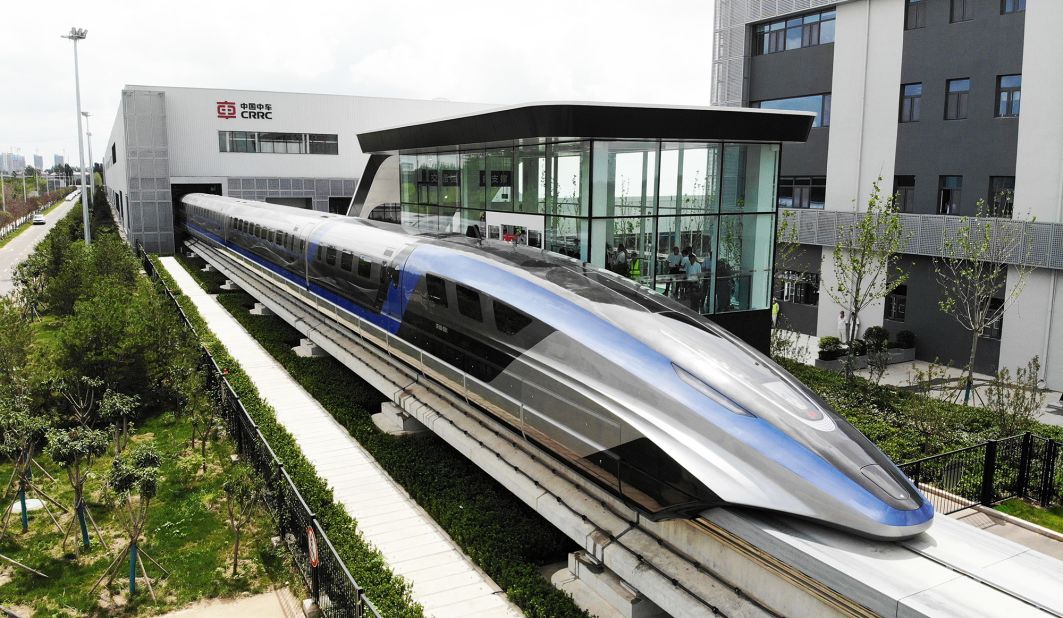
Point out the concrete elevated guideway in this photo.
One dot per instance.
(21, 246)
(729, 562)
(444, 581)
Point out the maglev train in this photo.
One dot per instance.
(640, 394)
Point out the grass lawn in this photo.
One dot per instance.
(187, 532)
(1051, 518)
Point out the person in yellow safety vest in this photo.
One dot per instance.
(635, 269)
(774, 310)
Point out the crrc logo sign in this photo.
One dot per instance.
(250, 111)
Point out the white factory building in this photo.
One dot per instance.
(282, 147)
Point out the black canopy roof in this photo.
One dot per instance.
(551, 121)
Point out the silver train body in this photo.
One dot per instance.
(641, 395)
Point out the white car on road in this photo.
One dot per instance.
(38, 219)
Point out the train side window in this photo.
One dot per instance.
(365, 268)
(318, 257)
(437, 290)
(330, 256)
(346, 261)
(508, 320)
(469, 304)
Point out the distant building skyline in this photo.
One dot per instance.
(58, 159)
(11, 162)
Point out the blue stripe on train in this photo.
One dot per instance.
(384, 321)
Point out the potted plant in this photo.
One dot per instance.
(830, 348)
(904, 350)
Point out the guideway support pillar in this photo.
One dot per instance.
(209, 269)
(306, 348)
(229, 286)
(395, 421)
(599, 591)
(259, 309)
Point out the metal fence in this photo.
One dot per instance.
(330, 582)
(1025, 466)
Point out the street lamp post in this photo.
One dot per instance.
(92, 166)
(77, 34)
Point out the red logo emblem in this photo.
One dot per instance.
(226, 109)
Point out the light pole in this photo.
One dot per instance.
(92, 166)
(77, 34)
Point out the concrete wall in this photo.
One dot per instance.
(867, 69)
(981, 145)
(114, 170)
(1035, 324)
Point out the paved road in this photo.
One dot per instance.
(22, 245)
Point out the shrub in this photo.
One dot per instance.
(876, 335)
(859, 347)
(906, 339)
(829, 344)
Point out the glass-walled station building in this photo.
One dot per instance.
(681, 200)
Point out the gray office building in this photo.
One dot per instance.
(951, 103)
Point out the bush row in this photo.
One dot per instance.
(505, 537)
(389, 592)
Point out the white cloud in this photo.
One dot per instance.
(504, 52)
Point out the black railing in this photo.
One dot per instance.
(330, 582)
(1025, 466)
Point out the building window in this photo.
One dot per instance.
(956, 91)
(114, 154)
(897, 304)
(817, 103)
(1001, 196)
(994, 329)
(1009, 94)
(802, 192)
(794, 33)
(915, 17)
(962, 10)
(798, 287)
(950, 191)
(911, 101)
(904, 190)
(277, 143)
(1012, 6)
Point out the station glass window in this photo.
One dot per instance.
(1001, 199)
(1009, 93)
(950, 191)
(802, 192)
(799, 287)
(897, 304)
(321, 143)
(904, 190)
(469, 303)
(911, 101)
(277, 143)
(1012, 6)
(956, 92)
(794, 32)
(817, 103)
(961, 10)
(995, 329)
(915, 16)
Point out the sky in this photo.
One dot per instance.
(500, 52)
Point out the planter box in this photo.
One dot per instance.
(901, 355)
(860, 362)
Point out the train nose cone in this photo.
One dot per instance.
(899, 496)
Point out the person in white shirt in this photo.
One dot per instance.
(674, 261)
(693, 271)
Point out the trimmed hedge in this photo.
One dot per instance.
(502, 535)
(389, 592)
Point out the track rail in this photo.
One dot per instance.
(613, 524)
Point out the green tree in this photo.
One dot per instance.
(973, 275)
(16, 340)
(75, 449)
(119, 410)
(21, 433)
(1015, 403)
(134, 478)
(866, 262)
(242, 492)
